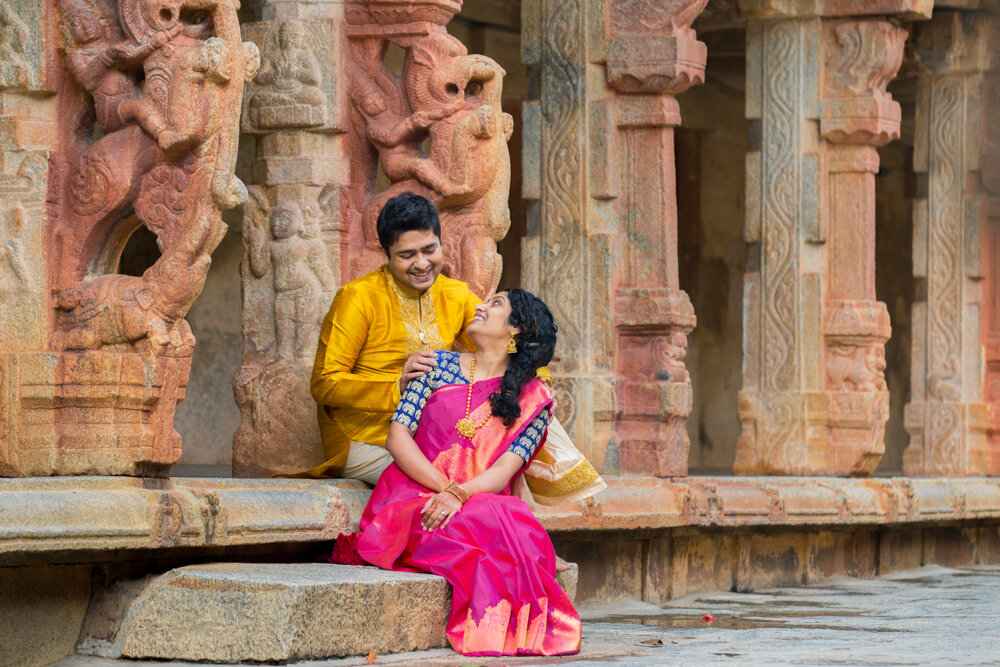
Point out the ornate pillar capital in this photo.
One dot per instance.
(652, 48)
(860, 57)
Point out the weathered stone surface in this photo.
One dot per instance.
(101, 514)
(814, 398)
(232, 612)
(954, 414)
(104, 514)
(41, 609)
(295, 113)
(147, 107)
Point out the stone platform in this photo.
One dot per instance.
(68, 545)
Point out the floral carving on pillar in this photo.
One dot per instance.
(149, 113)
(451, 100)
(806, 413)
(652, 55)
(954, 413)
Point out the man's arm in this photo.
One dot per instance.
(345, 329)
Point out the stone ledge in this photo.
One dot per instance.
(649, 503)
(111, 513)
(48, 515)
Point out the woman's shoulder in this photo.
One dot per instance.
(449, 367)
(447, 356)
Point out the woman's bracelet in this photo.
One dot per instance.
(457, 491)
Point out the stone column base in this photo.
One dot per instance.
(90, 413)
(948, 439)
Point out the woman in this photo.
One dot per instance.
(460, 434)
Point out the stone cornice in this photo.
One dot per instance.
(84, 519)
(779, 9)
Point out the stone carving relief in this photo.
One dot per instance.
(288, 91)
(148, 105)
(16, 69)
(167, 153)
(451, 100)
(949, 417)
(861, 58)
(284, 242)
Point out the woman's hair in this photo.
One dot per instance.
(535, 344)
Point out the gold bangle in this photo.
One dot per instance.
(457, 491)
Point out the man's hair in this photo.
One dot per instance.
(403, 213)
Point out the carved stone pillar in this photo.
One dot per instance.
(295, 115)
(814, 400)
(135, 108)
(954, 413)
(28, 118)
(603, 252)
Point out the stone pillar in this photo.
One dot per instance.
(954, 412)
(602, 243)
(28, 124)
(113, 117)
(296, 114)
(814, 400)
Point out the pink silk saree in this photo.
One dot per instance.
(497, 557)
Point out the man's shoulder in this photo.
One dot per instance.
(453, 288)
(369, 283)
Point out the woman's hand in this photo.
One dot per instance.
(439, 509)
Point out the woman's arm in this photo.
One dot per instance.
(439, 509)
(411, 460)
(497, 476)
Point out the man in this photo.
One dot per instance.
(380, 333)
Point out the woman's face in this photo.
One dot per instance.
(492, 321)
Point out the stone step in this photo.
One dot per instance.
(263, 612)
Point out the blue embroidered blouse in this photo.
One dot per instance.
(449, 371)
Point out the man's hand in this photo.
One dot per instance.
(416, 366)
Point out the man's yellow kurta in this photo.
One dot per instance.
(373, 326)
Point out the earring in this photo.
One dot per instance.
(512, 344)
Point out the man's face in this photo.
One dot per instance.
(415, 259)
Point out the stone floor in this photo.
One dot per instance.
(931, 615)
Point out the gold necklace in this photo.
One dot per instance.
(465, 425)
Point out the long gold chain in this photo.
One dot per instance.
(465, 425)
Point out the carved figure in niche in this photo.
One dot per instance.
(169, 152)
(14, 68)
(455, 101)
(303, 281)
(290, 79)
(11, 264)
(855, 367)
